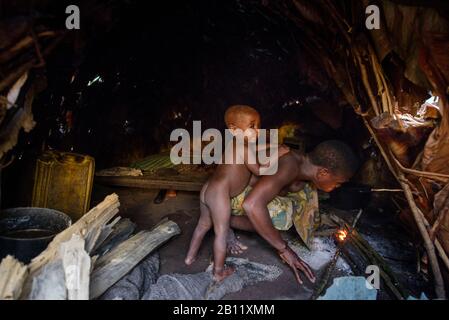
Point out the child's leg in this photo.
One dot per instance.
(203, 226)
(242, 223)
(220, 208)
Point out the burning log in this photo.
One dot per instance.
(358, 253)
(341, 237)
(327, 273)
(374, 258)
(354, 260)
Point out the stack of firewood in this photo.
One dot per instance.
(84, 260)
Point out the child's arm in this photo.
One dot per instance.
(254, 166)
(282, 150)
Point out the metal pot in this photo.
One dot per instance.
(26, 232)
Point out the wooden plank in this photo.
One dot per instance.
(122, 259)
(67, 276)
(121, 231)
(76, 263)
(104, 232)
(179, 182)
(49, 284)
(86, 226)
(12, 277)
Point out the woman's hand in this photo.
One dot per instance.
(294, 262)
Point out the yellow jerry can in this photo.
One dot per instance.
(63, 181)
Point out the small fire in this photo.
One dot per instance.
(342, 234)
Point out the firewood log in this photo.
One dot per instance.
(12, 277)
(86, 227)
(115, 264)
(76, 263)
(66, 277)
(121, 231)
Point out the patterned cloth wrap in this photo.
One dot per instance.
(296, 208)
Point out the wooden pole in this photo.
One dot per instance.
(430, 248)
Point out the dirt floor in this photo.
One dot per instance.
(137, 204)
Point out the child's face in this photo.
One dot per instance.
(327, 181)
(249, 123)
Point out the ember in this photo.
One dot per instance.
(341, 235)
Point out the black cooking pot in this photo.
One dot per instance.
(350, 196)
(26, 232)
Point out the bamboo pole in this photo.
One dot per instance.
(442, 253)
(436, 225)
(366, 83)
(426, 174)
(430, 248)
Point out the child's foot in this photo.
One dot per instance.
(189, 260)
(220, 275)
(234, 246)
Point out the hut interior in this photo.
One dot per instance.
(92, 93)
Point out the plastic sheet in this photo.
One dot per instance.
(349, 288)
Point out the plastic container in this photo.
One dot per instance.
(63, 181)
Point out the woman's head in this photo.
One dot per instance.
(336, 163)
